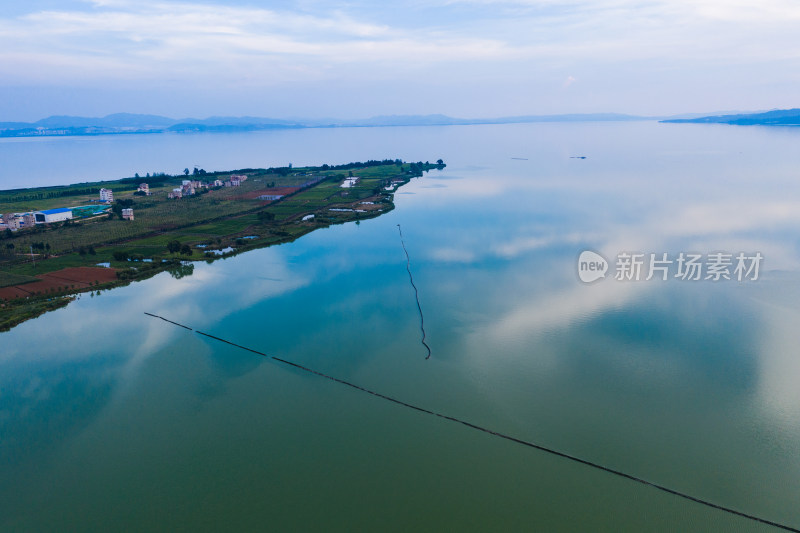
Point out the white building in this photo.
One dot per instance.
(127, 214)
(106, 195)
(52, 215)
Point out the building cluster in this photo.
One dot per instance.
(191, 187)
(145, 188)
(15, 221)
(235, 180)
(187, 188)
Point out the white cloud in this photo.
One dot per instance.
(527, 50)
(159, 38)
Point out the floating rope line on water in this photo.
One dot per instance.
(516, 440)
(170, 321)
(416, 293)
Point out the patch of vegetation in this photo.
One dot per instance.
(11, 315)
(7, 279)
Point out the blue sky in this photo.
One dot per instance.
(466, 58)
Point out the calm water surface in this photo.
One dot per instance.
(112, 420)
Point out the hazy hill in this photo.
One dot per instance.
(134, 123)
(777, 117)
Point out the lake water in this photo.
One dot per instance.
(114, 420)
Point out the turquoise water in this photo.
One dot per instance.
(111, 419)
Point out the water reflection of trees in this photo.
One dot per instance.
(181, 270)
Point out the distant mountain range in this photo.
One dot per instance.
(777, 117)
(122, 123)
(128, 123)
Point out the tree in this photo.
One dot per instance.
(136, 176)
(186, 250)
(439, 162)
(186, 171)
(91, 250)
(174, 247)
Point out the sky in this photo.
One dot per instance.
(356, 59)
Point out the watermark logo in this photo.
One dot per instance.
(684, 266)
(591, 266)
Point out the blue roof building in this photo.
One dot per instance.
(49, 216)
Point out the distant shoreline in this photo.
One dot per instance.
(777, 117)
(127, 124)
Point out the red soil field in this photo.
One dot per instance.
(60, 280)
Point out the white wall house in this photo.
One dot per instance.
(106, 195)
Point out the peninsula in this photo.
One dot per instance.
(776, 117)
(56, 242)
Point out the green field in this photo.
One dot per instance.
(7, 279)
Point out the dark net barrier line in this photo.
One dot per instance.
(233, 344)
(529, 444)
(416, 293)
(170, 321)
